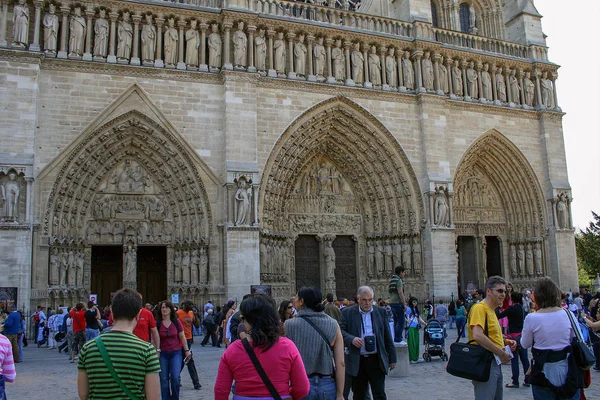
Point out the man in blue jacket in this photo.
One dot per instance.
(11, 330)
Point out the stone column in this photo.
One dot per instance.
(28, 208)
(401, 86)
(203, 66)
(89, 13)
(493, 78)
(347, 47)
(251, 30)
(520, 75)
(158, 62)
(554, 95)
(271, 34)
(112, 39)
(416, 58)
(437, 57)
(311, 75)
(227, 47)
(366, 82)
(291, 74)
(3, 42)
(507, 83)
(538, 90)
(135, 46)
(382, 55)
(181, 61)
(63, 53)
(35, 46)
(330, 78)
(449, 62)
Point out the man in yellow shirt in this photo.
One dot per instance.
(495, 290)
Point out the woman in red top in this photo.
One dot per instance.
(277, 355)
(78, 316)
(171, 338)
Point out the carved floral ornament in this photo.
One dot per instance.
(127, 181)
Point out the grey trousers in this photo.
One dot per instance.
(493, 388)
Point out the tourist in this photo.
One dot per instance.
(548, 332)
(414, 323)
(211, 329)
(320, 344)
(12, 325)
(277, 355)
(78, 317)
(53, 330)
(189, 319)
(593, 322)
(171, 336)
(441, 313)
(332, 309)
(285, 313)
(134, 361)
(92, 321)
(219, 317)
(145, 329)
(7, 365)
(398, 303)
(21, 336)
(515, 315)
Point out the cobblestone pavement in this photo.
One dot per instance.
(46, 374)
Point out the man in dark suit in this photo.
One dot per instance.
(367, 336)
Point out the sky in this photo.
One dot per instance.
(570, 27)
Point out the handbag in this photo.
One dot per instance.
(260, 370)
(111, 369)
(582, 354)
(470, 361)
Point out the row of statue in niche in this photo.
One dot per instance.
(385, 254)
(277, 256)
(525, 259)
(173, 43)
(190, 265)
(66, 266)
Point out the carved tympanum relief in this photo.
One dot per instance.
(476, 199)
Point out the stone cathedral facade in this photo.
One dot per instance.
(198, 147)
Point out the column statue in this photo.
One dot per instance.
(486, 83)
(562, 212)
(380, 259)
(390, 68)
(547, 91)
(170, 42)
(537, 259)
(148, 40)
(50, 23)
(130, 265)
(441, 208)
(457, 82)
(319, 56)
(374, 67)
(529, 89)
(72, 271)
(124, 38)
(529, 259)
(279, 49)
(329, 256)
(443, 73)
(53, 278)
(513, 261)
(416, 254)
(101, 27)
(240, 46)
(408, 72)
(20, 24)
(11, 191)
(77, 31)
(185, 266)
(63, 267)
(371, 261)
(501, 85)
(214, 47)
(203, 272)
(192, 41)
(427, 67)
(515, 89)
(339, 61)
(472, 81)
(300, 56)
(80, 263)
(194, 265)
(261, 50)
(177, 266)
(358, 63)
(521, 260)
(243, 195)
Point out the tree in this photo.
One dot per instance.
(588, 247)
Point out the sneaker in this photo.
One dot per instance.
(420, 360)
(414, 362)
(402, 343)
(198, 386)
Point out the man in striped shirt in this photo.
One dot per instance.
(135, 361)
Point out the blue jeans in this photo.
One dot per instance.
(321, 388)
(452, 320)
(398, 313)
(520, 353)
(460, 322)
(91, 334)
(543, 393)
(170, 369)
(2, 388)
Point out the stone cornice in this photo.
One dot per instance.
(14, 227)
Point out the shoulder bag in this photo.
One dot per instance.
(260, 370)
(582, 354)
(470, 361)
(111, 369)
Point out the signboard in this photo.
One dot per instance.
(261, 289)
(94, 298)
(175, 298)
(8, 296)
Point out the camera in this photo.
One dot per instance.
(369, 343)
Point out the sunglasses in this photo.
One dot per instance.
(501, 291)
(289, 307)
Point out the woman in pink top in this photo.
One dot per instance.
(7, 366)
(277, 355)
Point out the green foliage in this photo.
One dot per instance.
(588, 249)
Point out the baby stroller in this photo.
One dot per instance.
(435, 341)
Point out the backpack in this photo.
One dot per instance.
(36, 318)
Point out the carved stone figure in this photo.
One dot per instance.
(547, 91)
(243, 195)
(124, 38)
(357, 59)
(194, 266)
(329, 257)
(374, 67)
(300, 56)
(472, 19)
(380, 259)
(529, 259)
(427, 67)
(486, 83)
(170, 43)
(192, 44)
(390, 68)
(101, 35)
(11, 191)
(408, 72)
(389, 257)
(50, 23)
(406, 254)
(240, 46)
(528, 89)
(416, 253)
(177, 266)
(130, 265)
(521, 260)
(515, 89)
(513, 261)
(537, 259)
(53, 277)
(203, 277)
(443, 74)
(457, 81)
(472, 81)
(148, 36)
(562, 211)
(339, 61)
(501, 85)
(63, 267)
(441, 208)
(79, 265)
(214, 47)
(371, 261)
(72, 272)
(185, 266)
(20, 24)
(77, 31)
(261, 50)
(279, 49)
(319, 56)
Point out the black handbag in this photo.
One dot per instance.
(470, 361)
(581, 353)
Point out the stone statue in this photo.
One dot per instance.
(79, 263)
(371, 261)
(537, 259)
(124, 38)
(501, 85)
(177, 266)
(185, 266)
(521, 260)
(374, 67)
(380, 259)
(443, 74)
(515, 89)
(101, 35)
(441, 208)
(20, 24)
(130, 265)
(457, 81)
(528, 89)
(72, 271)
(407, 71)
(148, 40)
(300, 56)
(427, 67)
(192, 44)
(263, 254)
(170, 43)
(329, 256)
(547, 91)
(50, 24)
(529, 259)
(261, 50)
(472, 19)
(243, 195)
(194, 265)
(513, 261)
(390, 68)
(319, 56)
(339, 61)
(77, 31)
(240, 46)
(358, 64)
(53, 277)
(203, 277)
(389, 257)
(214, 47)
(279, 49)
(486, 83)
(63, 267)
(562, 212)
(406, 254)
(472, 81)
(11, 191)
(416, 253)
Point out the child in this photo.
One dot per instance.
(41, 337)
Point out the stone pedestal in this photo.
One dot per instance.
(242, 261)
(402, 364)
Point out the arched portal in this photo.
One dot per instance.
(498, 214)
(338, 175)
